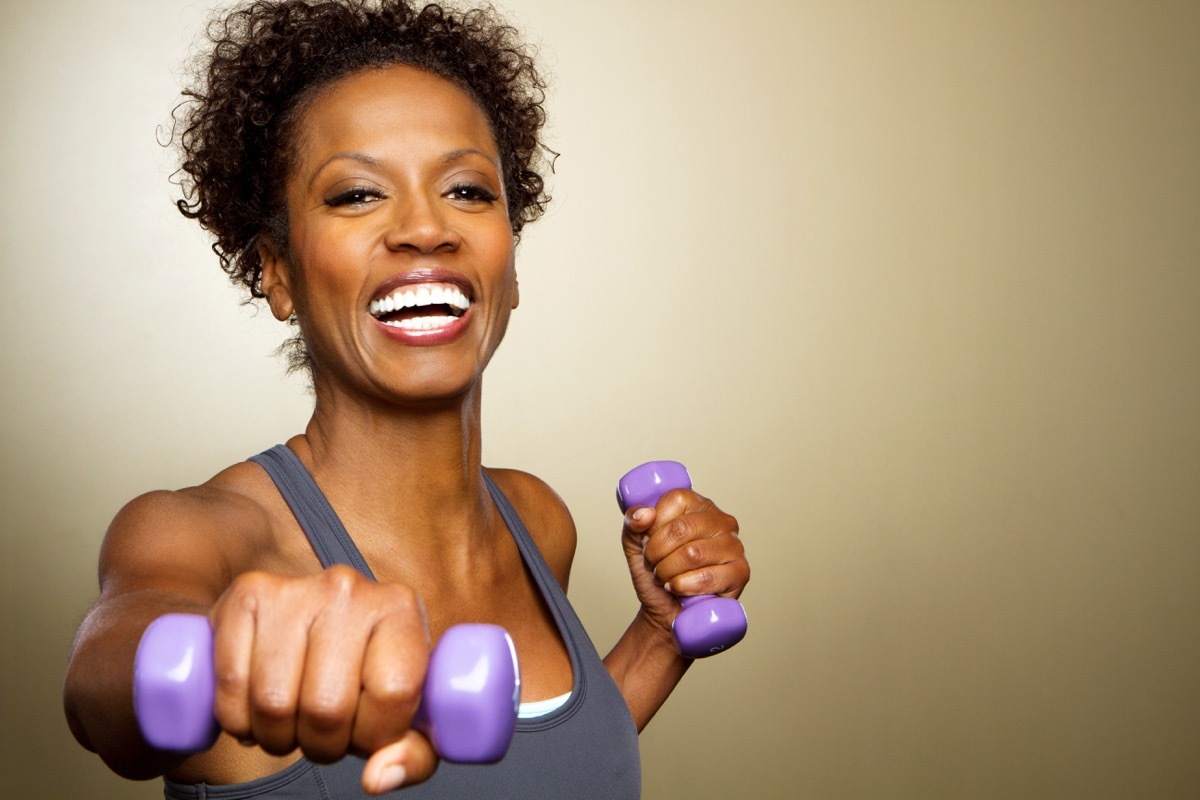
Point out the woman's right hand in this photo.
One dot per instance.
(331, 663)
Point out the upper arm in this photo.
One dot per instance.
(175, 543)
(164, 552)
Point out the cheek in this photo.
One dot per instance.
(496, 253)
(322, 266)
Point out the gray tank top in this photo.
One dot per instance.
(586, 749)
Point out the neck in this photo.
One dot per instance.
(409, 472)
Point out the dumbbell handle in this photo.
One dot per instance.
(708, 624)
(468, 704)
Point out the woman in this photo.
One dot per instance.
(367, 169)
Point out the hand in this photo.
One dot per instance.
(683, 546)
(330, 663)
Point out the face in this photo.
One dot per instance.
(399, 264)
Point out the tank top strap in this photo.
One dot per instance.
(529, 551)
(320, 523)
(570, 627)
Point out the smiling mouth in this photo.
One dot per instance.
(421, 307)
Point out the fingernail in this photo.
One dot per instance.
(390, 777)
(640, 514)
(644, 540)
(667, 586)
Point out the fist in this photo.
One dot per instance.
(330, 663)
(683, 546)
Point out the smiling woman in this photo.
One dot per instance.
(238, 136)
(367, 169)
(398, 168)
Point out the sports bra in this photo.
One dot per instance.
(585, 749)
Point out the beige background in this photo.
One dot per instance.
(915, 288)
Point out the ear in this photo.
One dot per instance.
(276, 279)
(516, 292)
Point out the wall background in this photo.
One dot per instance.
(919, 288)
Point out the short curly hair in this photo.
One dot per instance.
(269, 59)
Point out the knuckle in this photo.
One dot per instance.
(327, 713)
(232, 684)
(677, 496)
(394, 690)
(693, 554)
(681, 529)
(242, 597)
(273, 705)
(340, 580)
(401, 597)
(704, 581)
(403, 605)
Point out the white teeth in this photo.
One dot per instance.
(420, 323)
(419, 297)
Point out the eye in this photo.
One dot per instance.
(356, 196)
(472, 193)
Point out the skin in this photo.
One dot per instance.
(397, 176)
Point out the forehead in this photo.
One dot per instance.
(395, 110)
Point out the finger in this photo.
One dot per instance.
(276, 669)
(726, 580)
(668, 536)
(724, 548)
(677, 502)
(404, 763)
(393, 673)
(330, 687)
(233, 644)
(634, 531)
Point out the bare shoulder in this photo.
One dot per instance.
(545, 515)
(191, 542)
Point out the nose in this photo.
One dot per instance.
(422, 224)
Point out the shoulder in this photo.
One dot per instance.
(545, 515)
(190, 541)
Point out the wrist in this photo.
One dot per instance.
(657, 633)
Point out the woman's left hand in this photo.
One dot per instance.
(683, 546)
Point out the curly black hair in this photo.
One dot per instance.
(269, 59)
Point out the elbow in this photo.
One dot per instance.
(73, 701)
(120, 746)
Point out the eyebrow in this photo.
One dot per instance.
(455, 155)
(371, 161)
(361, 158)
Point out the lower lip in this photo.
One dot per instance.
(426, 338)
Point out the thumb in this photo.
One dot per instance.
(404, 763)
(637, 521)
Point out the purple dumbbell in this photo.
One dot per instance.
(468, 704)
(707, 624)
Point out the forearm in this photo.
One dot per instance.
(98, 692)
(646, 667)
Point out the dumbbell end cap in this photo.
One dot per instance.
(473, 688)
(709, 625)
(173, 684)
(644, 484)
